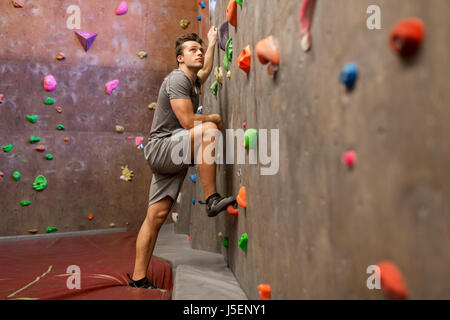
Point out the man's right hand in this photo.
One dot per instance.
(217, 119)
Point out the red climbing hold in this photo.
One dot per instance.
(349, 158)
(407, 36)
(267, 51)
(244, 59)
(232, 13)
(392, 281)
(264, 291)
(232, 211)
(1, 97)
(241, 199)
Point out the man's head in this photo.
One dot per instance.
(189, 51)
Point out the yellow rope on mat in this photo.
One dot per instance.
(31, 283)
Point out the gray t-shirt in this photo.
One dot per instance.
(176, 85)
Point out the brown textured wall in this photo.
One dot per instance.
(84, 175)
(315, 227)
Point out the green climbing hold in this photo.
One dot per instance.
(50, 229)
(239, 2)
(40, 183)
(34, 139)
(229, 49)
(32, 119)
(214, 87)
(243, 242)
(25, 203)
(60, 127)
(16, 175)
(225, 63)
(49, 156)
(7, 148)
(49, 101)
(225, 242)
(250, 138)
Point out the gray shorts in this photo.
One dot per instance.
(168, 176)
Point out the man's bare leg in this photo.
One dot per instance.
(145, 243)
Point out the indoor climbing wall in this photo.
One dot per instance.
(363, 175)
(92, 174)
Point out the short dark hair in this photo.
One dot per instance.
(182, 39)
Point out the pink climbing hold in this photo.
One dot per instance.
(139, 140)
(305, 16)
(122, 8)
(86, 39)
(111, 85)
(50, 83)
(349, 158)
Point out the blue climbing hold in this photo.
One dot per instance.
(349, 74)
(193, 177)
(203, 5)
(193, 202)
(199, 18)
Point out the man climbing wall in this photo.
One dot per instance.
(176, 119)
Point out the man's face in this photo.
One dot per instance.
(193, 55)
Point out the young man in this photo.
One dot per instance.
(175, 116)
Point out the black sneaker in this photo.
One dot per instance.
(143, 283)
(215, 204)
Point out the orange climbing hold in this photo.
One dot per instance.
(232, 13)
(267, 51)
(232, 211)
(244, 59)
(33, 231)
(407, 36)
(1, 97)
(264, 291)
(90, 216)
(241, 199)
(17, 4)
(392, 281)
(66, 139)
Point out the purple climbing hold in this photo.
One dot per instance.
(223, 35)
(86, 39)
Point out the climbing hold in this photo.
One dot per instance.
(223, 35)
(193, 177)
(51, 229)
(349, 158)
(59, 109)
(49, 101)
(16, 175)
(305, 17)
(241, 198)
(225, 242)
(193, 202)
(190, 238)
(214, 87)
(239, 2)
(86, 39)
(40, 183)
(60, 127)
(60, 56)
(243, 242)
(112, 225)
(142, 54)
(49, 156)
(349, 75)
(175, 216)
(7, 148)
(244, 59)
(25, 203)
(139, 140)
(184, 23)
(32, 119)
(119, 129)
(233, 210)
(111, 85)
(1, 98)
(225, 63)
(407, 36)
(152, 106)
(90, 216)
(232, 13)
(264, 291)
(267, 51)
(202, 4)
(220, 234)
(122, 8)
(229, 49)
(66, 139)
(34, 139)
(229, 74)
(392, 282)
(244, 125)
(218, 74)
(127, 174)
(33, 231)
(199, 18)
(40, 147)
(250, 138)
(50, 83)
(127, 223)
(1, 175)
(17, 4)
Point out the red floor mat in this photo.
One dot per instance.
(104, 260)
